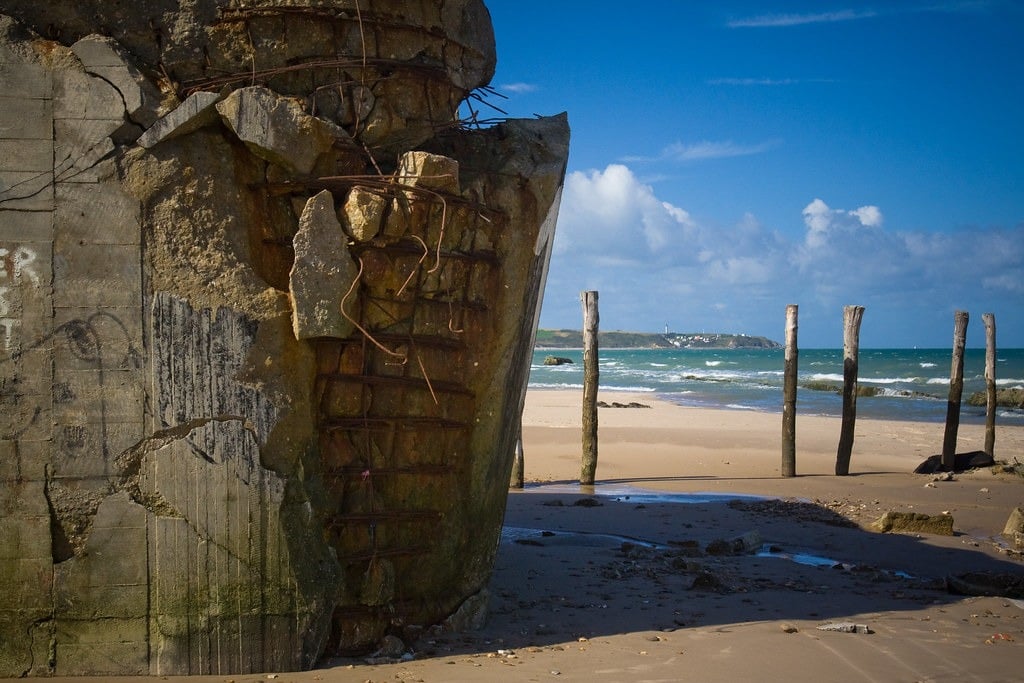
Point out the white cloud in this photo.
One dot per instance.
(517, 88)
(655, 262)
(742, 270)
(753, 81)
(777, 20)
(796, 19)
(870, 216)
(824, 223)
(1007, 282)
(706, 149)
(611, 209)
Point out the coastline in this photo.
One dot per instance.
(686, 449)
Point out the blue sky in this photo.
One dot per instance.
(729, 158)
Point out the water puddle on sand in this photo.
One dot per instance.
(629, 494)
(632, 494)
(586, 539)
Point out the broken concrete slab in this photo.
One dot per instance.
(277, 129)
(363, 213)
(322, 274)
(198, 110)
(428, 171)
(1014, 529)
(914, 522)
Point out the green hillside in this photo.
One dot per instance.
(573, 339)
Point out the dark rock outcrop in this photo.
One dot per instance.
(961, 462)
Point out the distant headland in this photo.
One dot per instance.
(573, 339)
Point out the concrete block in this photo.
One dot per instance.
(108, 338)
(99, 397)
(88, 451)
(101, 647)
(26, 409)
(24, 263)
(85, 215)
(25, 307)
(103, 57)
(79, 96)
(25, 402)
(24, 649)
(25, 119)
(28, 584)
(27, 226)
(25, 538)
(26, 190)
(22, 485)
(110, 579)
(26, 81)
(20, 155)
(10, 468)
(116, 631)
(102, 275)
(86, 164)
(214, 480)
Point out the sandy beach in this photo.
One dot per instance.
(616, 583)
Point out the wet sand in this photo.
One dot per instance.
(615, 584)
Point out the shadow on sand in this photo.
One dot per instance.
(579, 565)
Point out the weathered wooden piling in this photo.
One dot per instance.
(590, 379)
(789, 395)
(852, 316)
(990, 383)
(956, 390)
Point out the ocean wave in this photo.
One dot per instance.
(632, 390)
(712, 363)
(553, 385)
(889, 380)
(904, 393)
(601, 387)
(927, 365)
(826, 377)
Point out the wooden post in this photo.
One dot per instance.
(956, 390)
(517, 462)
(590, 379)
(990, 383)
(789, 395)
(852, 316)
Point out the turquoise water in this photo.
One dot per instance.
(913, 384)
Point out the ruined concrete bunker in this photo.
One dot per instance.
(267, 303)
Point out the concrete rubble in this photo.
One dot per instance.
(266, 314)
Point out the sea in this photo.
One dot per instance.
(909, 384)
